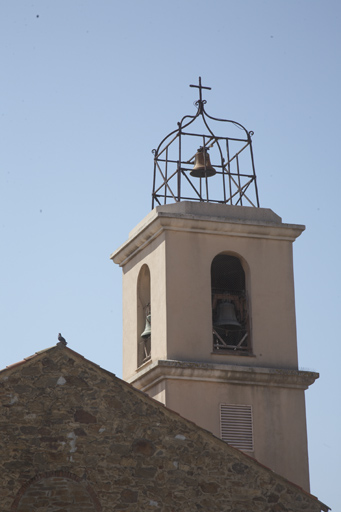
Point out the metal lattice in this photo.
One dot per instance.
(234, 179)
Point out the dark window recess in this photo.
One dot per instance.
(230, 317)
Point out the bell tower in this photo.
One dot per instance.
(209, 324)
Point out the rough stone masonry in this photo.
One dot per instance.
(76, 438)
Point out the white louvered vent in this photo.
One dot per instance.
(236, 426)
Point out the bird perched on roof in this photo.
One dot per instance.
(61, 339)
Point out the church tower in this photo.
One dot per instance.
(209, 324)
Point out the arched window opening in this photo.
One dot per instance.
(230, 317)
(143, 316)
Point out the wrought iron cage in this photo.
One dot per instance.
(233, 179)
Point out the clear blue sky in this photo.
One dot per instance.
(89, 88)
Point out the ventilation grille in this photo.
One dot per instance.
(236, 426)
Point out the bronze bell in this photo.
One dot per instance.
(147, 330)
(202, 164)
(226, 316)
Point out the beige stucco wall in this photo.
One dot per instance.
(154, 257)
(279, 433)
(178, 248)
(268, 267)
(196, 390)
(178, 243)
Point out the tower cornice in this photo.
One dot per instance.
(152, 374)
(217, 219)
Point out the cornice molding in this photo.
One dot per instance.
(160, 370)
(227, 221)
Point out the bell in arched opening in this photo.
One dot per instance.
(202, 164)
(226, 316)
(147, 330)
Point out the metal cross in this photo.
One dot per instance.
(200, 87)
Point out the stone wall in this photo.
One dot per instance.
(76, 438)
